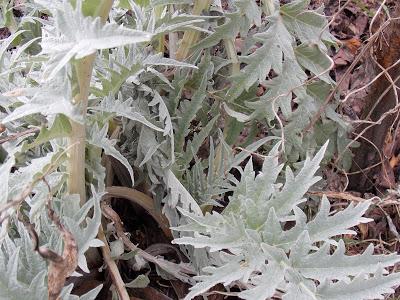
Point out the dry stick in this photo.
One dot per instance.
(389, 77)
(348, 71)
(378, 122)
(362, 171)
(112, 267)
(179, 271)
(18, 135)
(375, 16)
(338, 195)
(372, 81)
(16, 201)
(349, 197)
(105, 250)
(333, 17)
(144, 201)
(377, 103)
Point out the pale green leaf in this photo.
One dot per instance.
(78, 36)
(360, 288)
(306, 24)
(98, 137)
(123, 108)
(141, 281)
(61, 127)
(311, 57)
(277, 42)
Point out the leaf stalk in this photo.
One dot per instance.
(84, 68)
(190, 37)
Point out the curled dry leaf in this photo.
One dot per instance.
(63, 266)
(60, 267)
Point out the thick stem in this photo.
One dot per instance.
(103, 9)
(269, 7)
(161, 39)
(77, 140)
(76, 167)
(172, 42)
(172, 39)
(231, 51)
(232, 127)
(190, 37)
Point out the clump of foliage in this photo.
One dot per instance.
(76, 75)
(253, 248)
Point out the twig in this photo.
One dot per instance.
(143, 201)
(377, 101)
(333, 17)
(105, 250)
(112, 267)
(317, 115)
(363, 170)
(375, 16)
(180, 271)
(382, 202)
(372, 81)
(337, 195)
(18, 135)
(378, 122)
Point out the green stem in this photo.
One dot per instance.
(190, 37)
(76, 167)
(269, 7)
(232, 127)
(77, 140)
(232, 55)
(172, 39)
(161, 39)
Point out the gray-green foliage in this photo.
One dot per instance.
(176, 138)
(38, 92)
(257, 252)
